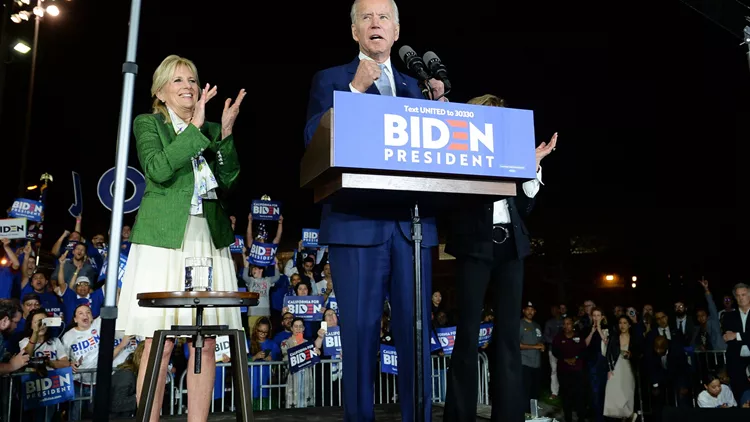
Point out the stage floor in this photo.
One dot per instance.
(383, 413)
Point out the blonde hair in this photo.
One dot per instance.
(488, 100)
(162, 75)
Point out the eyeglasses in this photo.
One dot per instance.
(262, 332)
(288, 318)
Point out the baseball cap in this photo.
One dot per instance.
(83, 279)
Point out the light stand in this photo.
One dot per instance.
(109, 310)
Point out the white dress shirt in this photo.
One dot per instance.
(388, 70)
(745, 351)
(682, 324)
(500, 213)
(666, 332)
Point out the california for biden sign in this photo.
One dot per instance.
(392, 133)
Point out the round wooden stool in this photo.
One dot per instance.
(199, 301)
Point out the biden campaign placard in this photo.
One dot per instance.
(266, 210)
(56, 387)
(394, 133)
(332, 342)
(485, 333)
(26, 208)
(239, 243)
(13, 228)
(262, 254)
(310, 238)
(120, 270)
(447, 338)
(309, 308)
(388, 359)
(300, 357)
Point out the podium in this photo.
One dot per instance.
(394, 152)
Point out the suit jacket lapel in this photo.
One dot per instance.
(400, 82)
(166, 132)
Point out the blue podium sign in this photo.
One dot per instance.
(393, 133)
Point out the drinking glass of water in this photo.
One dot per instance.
(199, 274)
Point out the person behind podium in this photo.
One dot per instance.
(370, 250)
(189, 163)
(490, 241)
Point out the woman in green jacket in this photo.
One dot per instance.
(188, 163)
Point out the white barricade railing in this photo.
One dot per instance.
(11, 382)
(268, 381)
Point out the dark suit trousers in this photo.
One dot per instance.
(361, 278)
(472, 277)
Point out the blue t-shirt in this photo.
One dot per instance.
(7, 278)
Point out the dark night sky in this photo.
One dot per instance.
(651, 103)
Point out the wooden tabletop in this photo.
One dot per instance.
(181, 299)
(197, 295)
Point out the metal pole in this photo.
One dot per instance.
(109, 310)
(4, 49)
(419, 373)
(746, 41)
(29, 102)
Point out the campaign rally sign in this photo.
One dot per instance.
(239, 243)
(434, 342)
(26, 208)
(309, 308)
(332, 342)
(56, 387)
(13, 228)
(485, 333)
(262, 254)
(222, 348)
(120, 271)
(310, 238)
(434, 137)
(266, 210)
(447, 338)
(331, 303)
(300, 357)
(388, 359)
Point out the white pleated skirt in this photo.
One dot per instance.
(154, 269)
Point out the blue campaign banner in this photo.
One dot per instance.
(120, 272)
(300, 357)
(77, 207)
(433, 137)
(105, 189)
(56, 387)
(239, 243)
(332, 343)
(310, 238)
(331, 303)
(26, 208)
(434, 342)
(266, 210)
(69, 248)
(447, 338)
(262, 254)
(388, 359)
(309, 308)
(485, 333)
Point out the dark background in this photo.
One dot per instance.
(650, 101)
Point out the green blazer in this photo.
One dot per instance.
(165, 158)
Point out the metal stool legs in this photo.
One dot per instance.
(152, 376)
(240, 375)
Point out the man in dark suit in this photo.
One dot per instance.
(370, 249)
(667, 367)
(490, 242)
(682, 321)
(737, 337)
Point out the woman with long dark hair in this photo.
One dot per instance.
(623, 351)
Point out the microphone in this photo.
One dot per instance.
(437, 68)
(413, 62)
